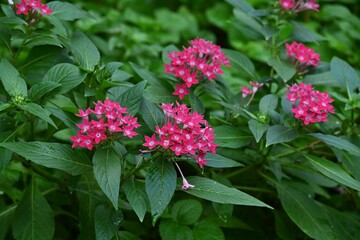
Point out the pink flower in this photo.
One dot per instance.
(34, 6)
(202, 59)
(302, 56)
(22, 8)
(309, 105)
(287, 4)
(185, 133)
(245, 91)
(110, 121)
(299, 5)
(186, 184)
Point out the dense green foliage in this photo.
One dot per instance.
(272, 177)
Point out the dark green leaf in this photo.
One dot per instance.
(5, 157)
(338, 142)
(124, 235)
(257, 129)
(151, 114)
(213, 191)
(267, 103)
(218, 161)
(196, 104)
(107, 170)
(333, 171)
(41, 40)
(4, 106)
(52, 155)
(66, 74)
(6, 218)
(170, 230)
(10, 77)
(251, 23)
(69, 119)
(306, 213)
(207, 230)
(279, 134)
(40, 89)
(33, 216)
(160, 183)
(66, 11)
(187, 211)
(241, 61)
(302, 34)
(136, 195)
(119, 76)
(224, 211)
(106, 222)
(38, 111)
(132, 98)
(85, 52)
(231, 137)
(145, 74)
(322, 79)
(285, 70)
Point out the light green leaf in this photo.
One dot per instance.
(4, 106)
(132, 98)
(279, 134)
(302, 34)
(52, 155)
(151, 114)
(338, 142)
(66, 11)
(136, 195)
(187, 211)
(239, 60)
(333, 171)
(257, 129)
(213, 191)
(107, 171)
(195, 103)
(120, 75)
(218, 161)
(231, 137)
(38, 111)
(306, 213)
(33, 218)
(66, 74)
(170, 230)
(322, 79)
(207, 230)
(84, 51)
(345, 75)
(160, 184)
(10, 77)
(285, 70)
(267, 103)
(106, 222)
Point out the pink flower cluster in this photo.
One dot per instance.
(299, 5)
(184, 134)
(202, 59)
(33, 6)
(309, 105)
(110, 119)
(302, 56)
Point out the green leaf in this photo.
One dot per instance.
(187, 212)
(345, 75)
(350, 162)
(224, 211)
(257, 129)
(218, 161)
(305, 212)
(231, 137)
(136, 195)
(6, 218)
(10, 77)
(38, 111)
(124, 235)
(213, 191)
(247, 21)
(160, 184)
(170, 230)
(338, 142)
(285, 69)
(302, 34)
(66, 74)
(106, 222)
(38, 90)
(41, 40)
(207, 230)
(333, 171)
(132, 98)
(196, 103)
(279, 134)
(69, 119)
(107, 170)
(145, 74)
(322, 79)
(151, 114)
(33, 216)
(239, 60)
(4, 106)
(120, 75)
(84, 51)
(66, 11)
(52, 155)
(5, 158)
(166, 50)
(267, 103)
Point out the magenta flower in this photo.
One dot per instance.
(302, 56)
(32, 5)
(299, 5)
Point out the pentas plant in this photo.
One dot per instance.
(302, 57)
(202, 60)
(110, 121)
(309, 105)
(185, 134)
(245, 91)
(32, 7)
(299, 5)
